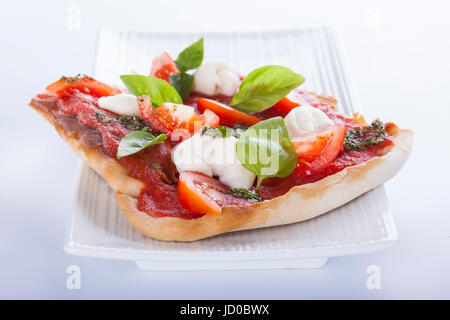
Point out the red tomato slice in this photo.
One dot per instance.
(228, 115)
(200, 193)
(291, 101)
(163, 66)
(83, 84)
(316, 150)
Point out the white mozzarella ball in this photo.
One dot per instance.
(213, 156)
(180, 112)
(188, 155)
(216, 78)
(124, 103)
(304, 119)
(222, 158)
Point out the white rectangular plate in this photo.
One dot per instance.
(97, 228)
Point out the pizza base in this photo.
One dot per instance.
(298, 204)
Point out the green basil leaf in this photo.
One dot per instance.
(265, 86)
(191, 57)
(158, 90)
(266, 150)
(136, 141)
(183, 83)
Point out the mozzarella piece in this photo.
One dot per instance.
(216, 77)
(213, 156)
(180, 112)
(221, 156)
(188, 155)
(304, 119)
(124, 103)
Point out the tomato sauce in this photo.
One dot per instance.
(155, 168)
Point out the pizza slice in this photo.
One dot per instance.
(195, 154)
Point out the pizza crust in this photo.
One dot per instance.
(298, 204)
(116, 176)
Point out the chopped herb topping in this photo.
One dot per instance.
(101, 116)
(244, 193)
(239, 128)
(209, 131)
(76, 78)
(358, 139)
(218, 132)
(222, 131)
(134, 123)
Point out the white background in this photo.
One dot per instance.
(399, 54)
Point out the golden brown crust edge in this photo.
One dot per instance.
(299, 204)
